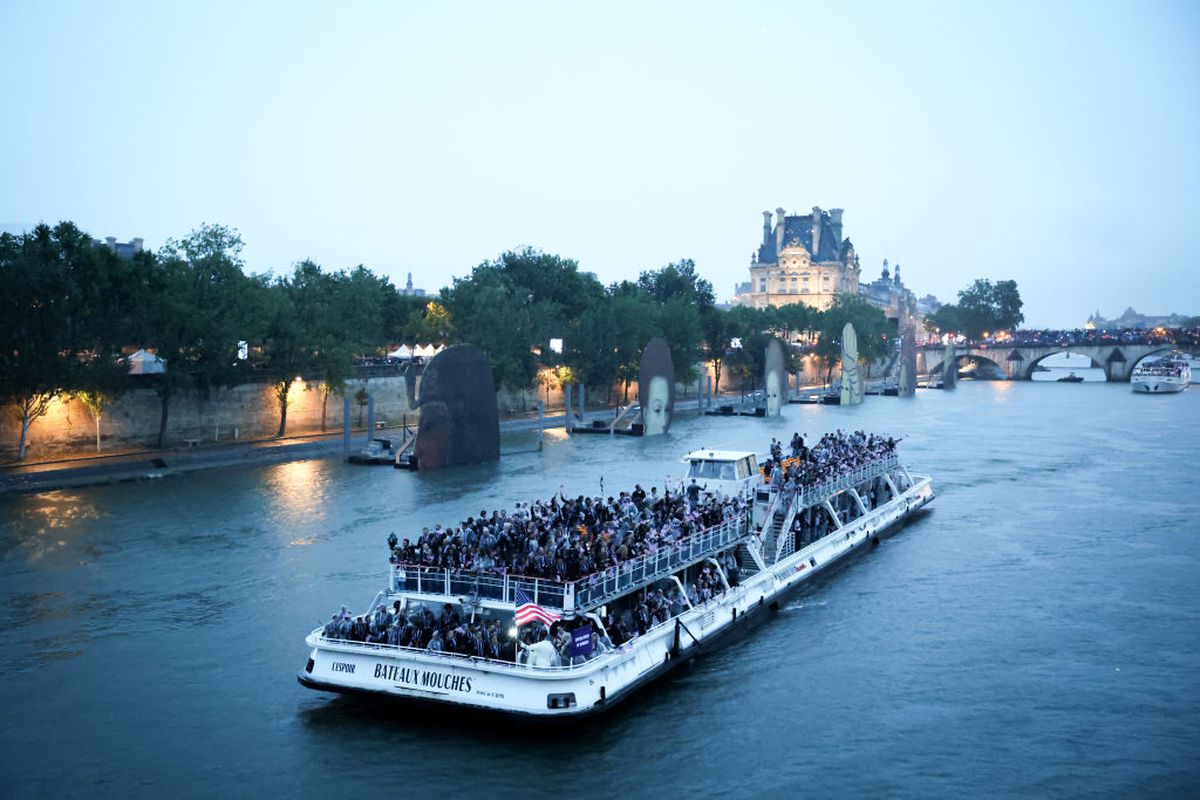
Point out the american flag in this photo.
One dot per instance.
(528, 611)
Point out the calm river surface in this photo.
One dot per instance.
(1036, 634)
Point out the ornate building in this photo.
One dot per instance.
(802, 259)
(889, 294)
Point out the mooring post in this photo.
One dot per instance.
(567, 406)
(582, 400)
(370, 417)
(346, 424)
(541, 424)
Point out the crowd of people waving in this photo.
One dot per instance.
(834, 455)
(566, 538)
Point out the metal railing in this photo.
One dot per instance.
(815, 494)
(594, 590)
(601, 587)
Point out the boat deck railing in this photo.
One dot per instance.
(584, 593)
(504, 663)
(856, 477)
(600, 587)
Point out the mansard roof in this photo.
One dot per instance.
(799, 229)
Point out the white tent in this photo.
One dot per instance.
(144, 363)
(403, 351)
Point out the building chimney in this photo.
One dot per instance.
(780, 224)
(112, 242)
(816, 228)
(137, 244)
(835, 222)
(766, 228)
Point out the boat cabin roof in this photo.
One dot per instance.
(719, 455)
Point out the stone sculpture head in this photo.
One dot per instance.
(460, 423)
(656, 387)
(775, 378)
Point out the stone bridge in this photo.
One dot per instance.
(1017, 361)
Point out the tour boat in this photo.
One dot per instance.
(1171, 373)
(770, 543)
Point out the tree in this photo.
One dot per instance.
(984, 307)
(95, 402)
(606, 344)
(870, 327)
(343, 315)
(198, 306)
(683, 298)
(60, 317)
(512, 307)
(947, 319)
(432, 323)
(718, 329)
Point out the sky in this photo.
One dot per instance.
(1054, 143)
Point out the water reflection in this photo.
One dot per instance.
(297, 490)
(46, 523)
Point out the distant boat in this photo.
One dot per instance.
(1040, 368)
(1072, 378)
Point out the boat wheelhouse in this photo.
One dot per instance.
(765, 546)
(731, 473)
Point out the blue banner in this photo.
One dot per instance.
(581, 641)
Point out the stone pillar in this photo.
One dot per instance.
(370, 416)
(816, 231)
(835, 222)
(346, 423)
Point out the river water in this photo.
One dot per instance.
(1036, 634)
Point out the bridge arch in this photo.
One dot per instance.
(1033, 363)
(1152, 354)
(971, 358)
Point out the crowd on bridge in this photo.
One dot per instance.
(1083, 337)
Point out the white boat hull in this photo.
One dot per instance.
(343, 666)
(1158, 385)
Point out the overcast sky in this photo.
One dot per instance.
(1053, 143)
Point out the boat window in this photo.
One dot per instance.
(711, 470)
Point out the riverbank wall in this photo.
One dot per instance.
(250, 412)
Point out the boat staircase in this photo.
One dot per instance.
(749, 559)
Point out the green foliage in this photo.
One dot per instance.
(62, 317)
(606, 345)
(515, 304)
(197, 307)
(983, 307)
(754, 329)
(683, 298)
(871, 328)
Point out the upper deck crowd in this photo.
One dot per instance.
(564, 538)
(834, 455)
